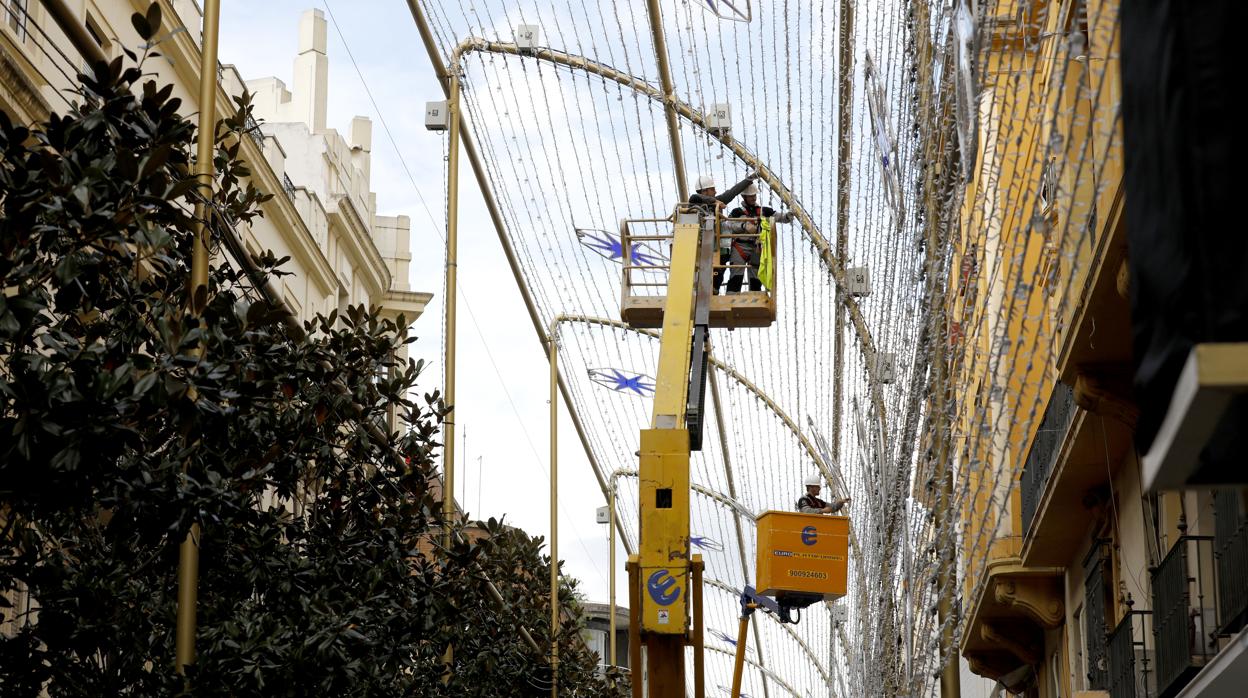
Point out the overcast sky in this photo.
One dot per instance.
(503, 469)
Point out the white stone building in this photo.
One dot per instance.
(323, 215)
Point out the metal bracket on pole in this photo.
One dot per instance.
(751, 599)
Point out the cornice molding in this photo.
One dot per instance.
(363, 249)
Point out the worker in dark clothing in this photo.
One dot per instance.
(744, 252)
(704, 195)
(810, 502)
(704, 198)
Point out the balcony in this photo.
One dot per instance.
(1131, 672)
(1045, 449)
(1096, 318)
(1009, 612)
(1071, 460)
(1185, 613)
(1230, 548)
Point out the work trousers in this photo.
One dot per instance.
(740, 256)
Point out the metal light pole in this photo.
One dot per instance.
(452, 268)
(611, 536)
(188, 552)
(669, 96)
(554, 512)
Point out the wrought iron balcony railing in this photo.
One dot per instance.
(1045, 448)
(253, 131)
(1095, 615)
(1230, 547)
(1185, 612)
(1131, 672)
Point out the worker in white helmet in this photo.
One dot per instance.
(810, 502)
(744, 250)
(706, 199)
(705, 192)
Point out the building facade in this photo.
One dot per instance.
(597, 633)
(323, 214)
(1075, 579)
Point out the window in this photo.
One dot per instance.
(596, 641)
(969, 268)
(1048, 189)
(97, 35)
(14, 14)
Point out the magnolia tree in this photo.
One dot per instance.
(124, 420)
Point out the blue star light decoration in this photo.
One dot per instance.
(724, 637)
(730, 9)
(623, 381)
(609, 247)
(704, 543)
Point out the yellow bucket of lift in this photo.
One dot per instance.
(802, 557)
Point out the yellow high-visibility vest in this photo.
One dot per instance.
(766, 263)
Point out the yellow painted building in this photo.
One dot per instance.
(1074, 580)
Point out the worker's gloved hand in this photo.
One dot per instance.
(751, 228)
(784, 217)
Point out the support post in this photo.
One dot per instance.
(845, 89)
(554, 513)
(669, 96)
(935, 183)
(449, 304)
(188, 552)
(665, 666)
(188, 598)
(699, 679)
(636, 671)
(950, 678)
(615, 659)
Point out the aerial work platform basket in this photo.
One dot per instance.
(802, 558)
(646, 245)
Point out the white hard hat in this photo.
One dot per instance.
(704, 182)
(814, 481)
(752, 189)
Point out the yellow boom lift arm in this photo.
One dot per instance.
(664, 578)
(802, 558)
